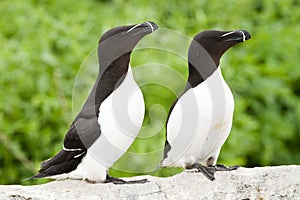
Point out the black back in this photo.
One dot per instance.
(114, 51)
(205, 52)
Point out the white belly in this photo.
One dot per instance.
(200, 122)
(120, 118)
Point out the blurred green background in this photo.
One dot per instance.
(45, 42)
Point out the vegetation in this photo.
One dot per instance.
(45, 42)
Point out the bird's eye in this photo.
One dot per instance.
(217, 38)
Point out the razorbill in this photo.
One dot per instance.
(200, 119)
(111, 117)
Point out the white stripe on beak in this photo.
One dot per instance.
(225, 34)
(152, 28)
(244, 36)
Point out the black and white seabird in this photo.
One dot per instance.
(111, 117)
(200, 119)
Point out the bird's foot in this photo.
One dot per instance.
(208, 172)
(119, 181)
(220, 167)
(90, 181)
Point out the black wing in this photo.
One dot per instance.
(82, 134)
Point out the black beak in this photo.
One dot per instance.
(246, 34)
(150, 26)
(144, 28)
(238, 36)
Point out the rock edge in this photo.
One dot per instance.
(280, 182)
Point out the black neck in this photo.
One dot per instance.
(199, 72)
(195, 77)
(201, 65)
(109, 78)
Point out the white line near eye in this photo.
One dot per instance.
(133, 28)
(225, 34)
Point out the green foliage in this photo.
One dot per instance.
(45, 42)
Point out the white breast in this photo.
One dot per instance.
(200, 122)
(120, 118)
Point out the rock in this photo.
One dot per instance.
(282, 182)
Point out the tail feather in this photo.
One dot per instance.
(63, 162)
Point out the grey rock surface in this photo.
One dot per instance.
(281, 182)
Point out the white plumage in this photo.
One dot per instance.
(121, 116)
(200, 122)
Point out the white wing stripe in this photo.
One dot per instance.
(66, 149)
(79, 155)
